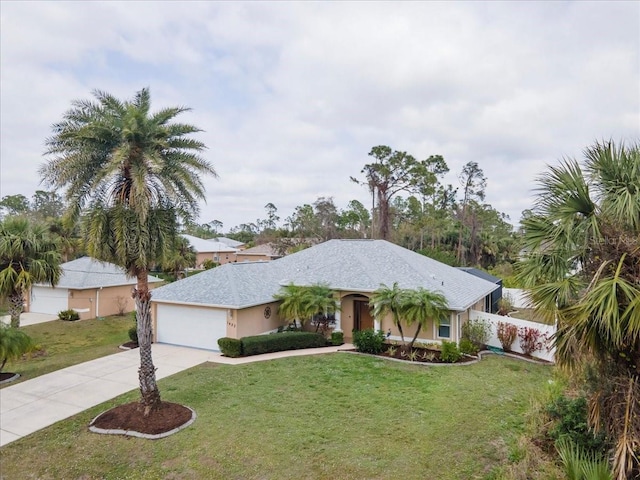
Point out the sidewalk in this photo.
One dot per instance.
(35, 404)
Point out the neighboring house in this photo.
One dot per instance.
(265, 252)
(492, 305)
(236, 300)
(211, 250)
(88, 286)
(230, 242)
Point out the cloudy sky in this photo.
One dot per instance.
(292, 95)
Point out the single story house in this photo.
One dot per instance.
(266, 252)
(88, 286)
(211, 250)
(236, 299)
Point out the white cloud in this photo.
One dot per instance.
(292, 96)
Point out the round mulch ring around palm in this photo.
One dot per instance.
(128, 419)
(7, 377)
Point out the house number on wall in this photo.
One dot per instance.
(267, 312)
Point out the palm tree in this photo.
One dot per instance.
(130, 175)
(584, 269)
(181, 257)
(422, 306)
(303, 302)
(27, 256)
(387, 301)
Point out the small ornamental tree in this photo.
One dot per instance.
(507, 333)
(530, 340)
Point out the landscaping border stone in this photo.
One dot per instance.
(132, 433)
(10, 379)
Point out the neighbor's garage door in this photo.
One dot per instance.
(191, 326)
(49, 300)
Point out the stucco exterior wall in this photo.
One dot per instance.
(108, 301)
(221, 258)
(252, 321)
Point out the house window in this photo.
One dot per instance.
(444, 329)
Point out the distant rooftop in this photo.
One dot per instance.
(86, 272)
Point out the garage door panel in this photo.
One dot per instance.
(191, 326)
(48, 300)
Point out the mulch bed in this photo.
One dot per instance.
(128, 417)
(8, 377)
(129, 345)
(420, 355)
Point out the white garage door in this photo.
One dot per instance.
(191, 326)
(49, 300)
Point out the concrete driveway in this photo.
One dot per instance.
(29, 318)
(34, 404)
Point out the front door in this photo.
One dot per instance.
(363, 320)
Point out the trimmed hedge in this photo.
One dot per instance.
(337, 338)
(279, 342)
(230, 347)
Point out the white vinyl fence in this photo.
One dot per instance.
(517, 296)
(546, 353)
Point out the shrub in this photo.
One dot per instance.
(530, 340)
(337, 338)
(281, 341)
(69, 315)
(468, 347)
(507, 333)
(369, 341)
(208, 264)
(230, 347)
(505, 305)
(133, 334)
(581, 465)
(477, 331)
(450, 352)
(569, 422)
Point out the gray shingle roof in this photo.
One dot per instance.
(227, 241)
(354, 265)
(208, 246)
(87, 272)
(480, 273)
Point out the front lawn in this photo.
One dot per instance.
(68, 343)
(334, 416)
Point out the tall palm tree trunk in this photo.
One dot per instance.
(150, 395)
(15, 307)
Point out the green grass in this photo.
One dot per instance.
(69, 343)
(335, 416)
(528, 314)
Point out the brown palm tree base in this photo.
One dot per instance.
(130, 418)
